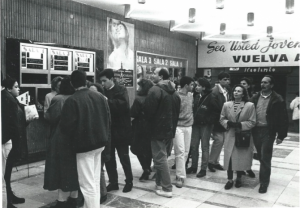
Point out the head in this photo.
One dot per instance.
(107, 78)
(113, 28)
(145, 86)
(239, 92)
(78, 79)
(160, 74)
(123, 33)
(203, 86)
(55, 84)
(96, 87)
(224, 79)
(139, 71)
(65, 87)
(12, 86)
(245, 82)
(267, 83)
(187, 83)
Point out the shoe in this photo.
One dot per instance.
(191, 170)
(10, 205)
(127, 187)
(164, 193)
(72, 202)
(103, 199)
(179, 182)
(211, 167)
(228, 185)
(173, 166)
(263, 188)
(243, 172)
(256, 157)
(251, 174)
(145, 176)
(157, 187)
(112, 186)
(238, 183)
(201, 174)
(14, 199)
(218, 167)
(60, 204)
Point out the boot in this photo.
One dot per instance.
(10, 205)
(11, 197)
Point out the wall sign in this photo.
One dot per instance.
(259, 70)
(250, 53)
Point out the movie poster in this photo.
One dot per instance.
(120, 50)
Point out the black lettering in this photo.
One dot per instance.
(273, 58)
(212, 48)
(236, 59)
(263, 59)
(283, 58)
(246, 58)
(255, 58)
(266, 48)
(283, 44)
(297, 57)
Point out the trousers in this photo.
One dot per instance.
(216, 147)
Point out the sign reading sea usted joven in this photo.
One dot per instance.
(214, 53)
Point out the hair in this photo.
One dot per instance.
(245, 98)
(109, 73)
(55, 81)
(145, 85)
(246, 80)
(185, 80)
(223, 75)
(78, 78)
(204, 83)
(9, 82)
(164, 72)
(98, 86)
(126, 34)
(271, 78)
(66, 87)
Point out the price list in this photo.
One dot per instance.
(84, 61)
(34, 57)
(61, 60)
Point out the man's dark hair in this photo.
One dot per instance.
(98, 86)
(204, 83)
(223, 75)
(55, 81)
(271, 78)
(185, 81)
(145, 86)
(66, 87)
(246, 80)
(245, 98)
(109, 73)
(78, 78)
(9, 82)
(164, 72)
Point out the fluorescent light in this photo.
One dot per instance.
(192, 15)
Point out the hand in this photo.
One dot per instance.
(278, 141)
(230, 124)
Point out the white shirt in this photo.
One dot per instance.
(225, 93)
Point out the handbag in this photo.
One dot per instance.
(242, 138)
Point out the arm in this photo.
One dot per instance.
(135, 109)
(283, 118)
(251, 120)
(152, 102)
(54, 111)
(292, 104)
(68, 121)
(223, 117)
(46, 104)
(119, 103)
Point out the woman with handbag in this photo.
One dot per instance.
(238, 117)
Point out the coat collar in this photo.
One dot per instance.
(233, 115)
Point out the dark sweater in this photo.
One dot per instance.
(85, 119)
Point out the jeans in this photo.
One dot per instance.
(159, 154)
(200, 132)
(182, 142)
(111, 165)
(216, 147)
(264, 146)
(88, 167)
(230, 172)
(5, 151)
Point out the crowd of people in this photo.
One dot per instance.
(90, 122)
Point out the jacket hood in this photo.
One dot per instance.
(167, 86)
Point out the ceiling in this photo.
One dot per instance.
(208, 18)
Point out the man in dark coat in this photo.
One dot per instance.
(271, 120)
(118, 102)
(162, 107)
(220, 95)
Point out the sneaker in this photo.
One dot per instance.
(228, 185)
(218, 167)
(14, 199)
(103, 199)
(211, 167)
(251, 174)
(112, 186)
(191, 170)
(127, 187)
(201, 174)
(179, 182)
(157, 187)
(164, 193)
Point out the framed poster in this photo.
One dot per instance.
(120, 47)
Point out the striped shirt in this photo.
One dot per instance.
(236, 105)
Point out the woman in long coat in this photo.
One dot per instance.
(60, 167)
(235, 114)
(141, 145)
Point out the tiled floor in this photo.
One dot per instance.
(207, 192)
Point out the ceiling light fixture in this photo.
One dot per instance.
(269, 31)
(222, 28)
(289, 5)
(244, 37)
(201, 36)
(127, 11)
(171, 25)
(192, 15)
(250, 19)
(220, 4)
(142, 1)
